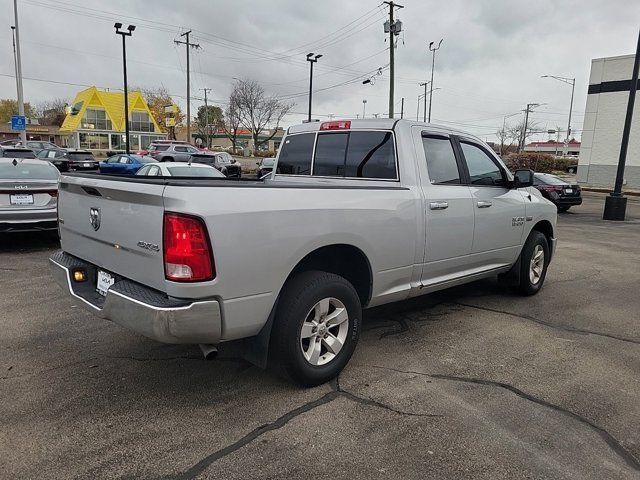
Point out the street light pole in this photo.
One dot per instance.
(433, 63)
(311, 58)
(572, 82)
(124, 35)
(364, 107)
(18, 61)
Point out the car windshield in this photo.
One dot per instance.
(28, 171)
(158, 148)
(187, 171)
(18, 153)
(550, 179)
(206, 159)
(84, 156)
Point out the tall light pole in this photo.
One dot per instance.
(189, 45)
(206, 115)
(18, 62)
(124, 35)
(433, 63)
(311, 58)
(572, 82)
(364, 107)
(424, 114)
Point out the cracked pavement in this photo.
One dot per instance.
(471, 382)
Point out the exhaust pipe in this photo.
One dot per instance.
(209, 351)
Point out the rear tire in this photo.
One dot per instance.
(534, 260)
(316, 327)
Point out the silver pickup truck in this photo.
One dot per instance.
(357, 213)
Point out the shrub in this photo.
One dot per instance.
(539, 162)
(264, 153)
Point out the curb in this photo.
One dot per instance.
(631, 193)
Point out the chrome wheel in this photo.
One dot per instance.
(536, 266)
(324, 331)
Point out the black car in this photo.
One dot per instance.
(67, 160)
(564, 195)
(222, 161)
(16, 152)
(265, 166)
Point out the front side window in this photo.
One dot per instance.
(441, 160)
(180, 149)
(483, 170)
(295, 155)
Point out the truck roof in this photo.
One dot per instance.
(375, 123)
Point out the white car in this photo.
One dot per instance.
(357, 213)
(179, 169)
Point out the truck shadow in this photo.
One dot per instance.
(29, 241)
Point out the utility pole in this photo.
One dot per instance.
(364, 107)
(572, 82)
(615, 205)
(402, 108)
(418, 108)
(433, 63)
(393, 28)
(124, 35)
(206, 115)
(311, 58)
(188, 45)
(424, 115)
(523, 134)
(18, 61)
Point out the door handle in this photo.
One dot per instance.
(438, 205)
(484, 204)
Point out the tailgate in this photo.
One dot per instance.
(116, 225)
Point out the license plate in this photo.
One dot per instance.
(21, 199)
(105, 280)
(86, 165)
(568, 190)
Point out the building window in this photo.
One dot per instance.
(94, 141)
(96, 119)
(141, 122)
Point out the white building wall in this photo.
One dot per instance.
(603, 123)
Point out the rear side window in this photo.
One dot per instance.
(371, 155)
(295, 154)
(441, 161)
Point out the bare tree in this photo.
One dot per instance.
(515, 132)
(52, 112)
(258, 111)
(232, 121)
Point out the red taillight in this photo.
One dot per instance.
(337, 125)
(187, 252)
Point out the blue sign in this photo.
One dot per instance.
(18, 122)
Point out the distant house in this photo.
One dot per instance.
(553, 147)
(244, 139)
(95, 121)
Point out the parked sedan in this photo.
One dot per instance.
(35, 145)
(28, 195)
(124, 164)
(179, 169)
(220, 160)
(564, 195)
(67, 160)
(265, 166)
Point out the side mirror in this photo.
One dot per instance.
(523, 178)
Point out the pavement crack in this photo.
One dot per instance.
(551, 325)
(280, 422)
(609, 439)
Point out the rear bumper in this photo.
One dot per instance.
(139, 308)
(568, 201)
(26, 219)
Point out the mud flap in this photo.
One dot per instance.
(255, 349)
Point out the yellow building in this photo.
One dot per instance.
(95, 121)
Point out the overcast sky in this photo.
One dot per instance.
(489, 65)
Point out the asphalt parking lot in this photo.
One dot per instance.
(473, 382)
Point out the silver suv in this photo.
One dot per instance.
(169, 152)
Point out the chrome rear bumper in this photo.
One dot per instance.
(139, 308)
